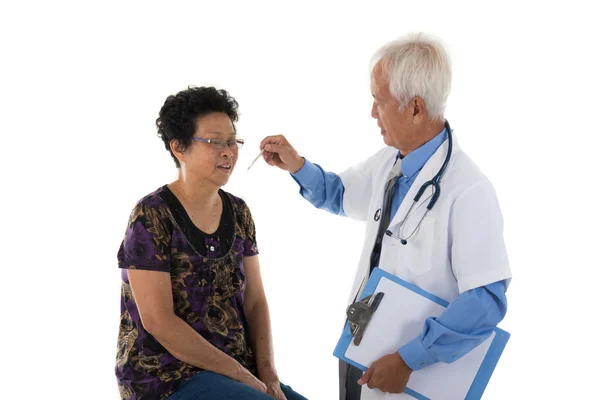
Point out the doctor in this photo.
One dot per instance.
(448, 242)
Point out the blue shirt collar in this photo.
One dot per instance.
(416, 159)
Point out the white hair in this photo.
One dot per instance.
(417, 65)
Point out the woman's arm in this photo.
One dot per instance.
(154, 299)
(259, 322)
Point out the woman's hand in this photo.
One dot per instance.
(246, 377)
(274, 390)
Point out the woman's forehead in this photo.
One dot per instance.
(217, 124)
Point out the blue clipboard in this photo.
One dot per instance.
(487, 366)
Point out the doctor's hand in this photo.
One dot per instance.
(389, 374)
(279, 152)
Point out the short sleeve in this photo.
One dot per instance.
(147, 242)
(478, 250)
(357, 182)
(250, 247)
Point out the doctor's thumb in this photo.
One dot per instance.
(366, 377)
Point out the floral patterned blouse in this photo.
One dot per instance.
(208, 285)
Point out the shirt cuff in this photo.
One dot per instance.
(414, 355)
(305, 174)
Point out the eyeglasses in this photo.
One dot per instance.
(233, 144)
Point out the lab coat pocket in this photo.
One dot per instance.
(419, 247)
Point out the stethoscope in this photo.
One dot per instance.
(435, 182)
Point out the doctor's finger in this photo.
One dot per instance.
(274, 148)
(366, 377)
(277, 139)
(268, 156)
(374, 382)
(275, 161)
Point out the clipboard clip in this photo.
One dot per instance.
(360, 313)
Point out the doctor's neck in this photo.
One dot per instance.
(420, 135)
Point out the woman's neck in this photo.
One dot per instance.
(196, 195)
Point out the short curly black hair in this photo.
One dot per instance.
(178, 115)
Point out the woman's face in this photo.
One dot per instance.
(202, 161)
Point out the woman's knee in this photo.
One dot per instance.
(290, 394)
(208, 385)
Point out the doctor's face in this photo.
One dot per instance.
(395, 122)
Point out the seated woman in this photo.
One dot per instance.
(194, 319)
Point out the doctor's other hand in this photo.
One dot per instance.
(389, 374)
(280, 153)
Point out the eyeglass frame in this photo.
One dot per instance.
(239, 143)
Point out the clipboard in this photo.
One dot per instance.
(465, 378)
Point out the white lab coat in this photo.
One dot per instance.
(459, 244)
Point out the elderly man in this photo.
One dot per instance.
(448, 242)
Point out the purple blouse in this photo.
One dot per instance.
(208, 292)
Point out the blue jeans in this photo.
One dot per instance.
(207, 385)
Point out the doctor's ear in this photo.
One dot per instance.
(417, 107)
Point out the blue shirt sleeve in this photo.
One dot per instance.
(323, 190)
(467, 322)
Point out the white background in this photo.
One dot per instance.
(81, 86)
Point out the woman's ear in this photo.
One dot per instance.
(176, 149)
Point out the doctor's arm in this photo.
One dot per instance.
(346, 194)
(322, 189)
(467, 322)
(480, 265)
